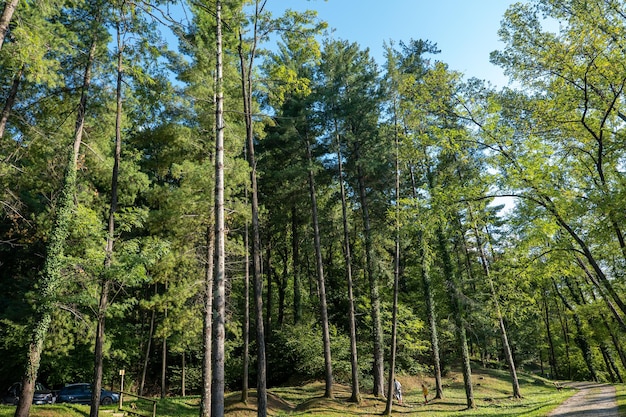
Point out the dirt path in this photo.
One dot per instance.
(592, 400)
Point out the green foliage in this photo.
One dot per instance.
(294, 352)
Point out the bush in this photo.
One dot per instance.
(294, 352)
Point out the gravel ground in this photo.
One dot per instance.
(592, 400)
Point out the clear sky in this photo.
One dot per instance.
(465, 31)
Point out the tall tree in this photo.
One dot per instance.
(51, 276)
(219, 283)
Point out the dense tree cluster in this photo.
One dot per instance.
(159, 203)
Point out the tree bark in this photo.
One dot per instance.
(354, 363)
(295, 251)
(8, 105)
(246, 317)
(505, 340)
(580, 338)
(246, 86)
(553, 364)
(5, 19)
(207, 371)
(328, 392)
(377, 331)
(105, 281)
(147, 355)
(396, 279)
(458, 319)
(219, 282)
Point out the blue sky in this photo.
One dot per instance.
(464, 30)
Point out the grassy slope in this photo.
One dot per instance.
(491, 391)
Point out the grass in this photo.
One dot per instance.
(620, 396)
(492, 390)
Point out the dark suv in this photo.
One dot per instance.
(42, 394)
(81, 394)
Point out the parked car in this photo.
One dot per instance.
(42, 394)
(81, 394)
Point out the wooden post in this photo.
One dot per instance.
(121, 388)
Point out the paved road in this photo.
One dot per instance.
(592, 400)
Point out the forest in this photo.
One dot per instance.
(258, 203)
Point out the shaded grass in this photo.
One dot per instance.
(492, 393)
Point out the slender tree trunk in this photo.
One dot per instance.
(51, 275)
(5, 19)
(246, 86)
(270, 292)
(458, 319)
(105, 281)
(328, 393)
(164, 363)
(219, 282)
(505, 340)
(580, 339)
(553, 364)
(432, 321)
(207, 371)
(295, 250)
(377, 331)
(396, 278)
(282, 287)
(429, 300)
(354, 363)
(246, 317)
(183, 375)
(8, 105)
(148, 348)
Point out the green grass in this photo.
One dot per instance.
(620, 395)
(492, 392)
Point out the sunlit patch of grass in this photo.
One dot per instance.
(620, 396)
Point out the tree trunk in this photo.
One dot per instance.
(246, 317)
(51, 275)
(246, 86)
(270, 292)
(505, 340)
(377, 331)
(8, 105)
(5, 19)
(457, 314)
(148, 347)
(432, 322)
(553, 364)
(295, 250)
(183, 376)
(282, 287)
(164, 360)
(219, 282)
(429, 300)
(354, 363)
(105, 281)
(207, 371)
(580, 339)
(396, 278)
(328, 392)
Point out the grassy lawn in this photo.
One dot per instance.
(491, 391)
(620, 394)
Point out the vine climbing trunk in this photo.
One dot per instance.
(51, 275)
